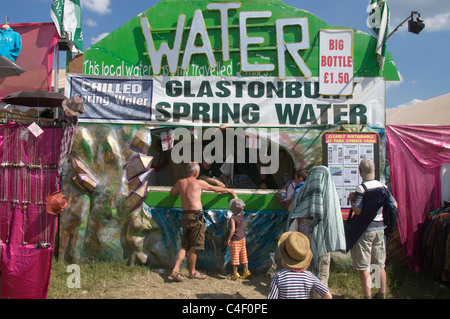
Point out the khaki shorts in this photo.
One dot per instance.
(369, 250)
(193, 232)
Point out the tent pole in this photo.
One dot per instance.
(56, 83)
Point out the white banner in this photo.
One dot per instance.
(229, 102)
(264, 102)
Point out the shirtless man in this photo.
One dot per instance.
(193, 223)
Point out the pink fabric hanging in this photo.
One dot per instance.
(25, 272)
(26, 229)
(415, 154)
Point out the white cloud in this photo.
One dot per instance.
(414, 101)
(89, 22)
(98, 38)
(98, 6)
(440, 22)
(435, 13)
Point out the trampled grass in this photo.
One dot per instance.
(114, 280)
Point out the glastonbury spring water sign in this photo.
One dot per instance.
(231, 101)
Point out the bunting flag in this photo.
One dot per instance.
(167, 140)
(378, 23)
(66, 15)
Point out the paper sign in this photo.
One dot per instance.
(35, 129)
(336, 62)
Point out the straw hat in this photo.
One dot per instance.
(294, 249)
(56, 202)
(367, 169)
(73, 106)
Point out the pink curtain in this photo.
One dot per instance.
(415, 154)
(36, 57)
(26, 229)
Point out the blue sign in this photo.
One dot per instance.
(118, 99)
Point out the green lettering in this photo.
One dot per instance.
(239, 86)
(205, 89)
(224, 91)
(293, 89)
(216, 113)
(200, 110)
(165, 116)
(249, 116)
(308, 114)
(286, 112)
(173, 88)
(177, 113)
(279, 90)
(308, 92)
(324, 112)
(358, 111)
(256, 89)
(226, 112)
(187, 89)
(338, 113)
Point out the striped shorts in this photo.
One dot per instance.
(238, 252)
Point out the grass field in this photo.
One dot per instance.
(114, 280)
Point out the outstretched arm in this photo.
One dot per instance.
(211, 180)
(217, 189)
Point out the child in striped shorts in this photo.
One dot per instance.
(236, 239)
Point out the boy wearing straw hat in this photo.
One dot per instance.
(294, 281)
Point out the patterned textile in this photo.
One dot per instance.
(238, 252)
(287, 284)
(28, 173)
(68, 135)
(318, 199)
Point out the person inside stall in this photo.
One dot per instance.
(300, 177)
(267, 181)
(245, 175)
(211, 173)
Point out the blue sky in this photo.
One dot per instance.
(422, 60)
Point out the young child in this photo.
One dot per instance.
(236, 239)
(294, 281)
